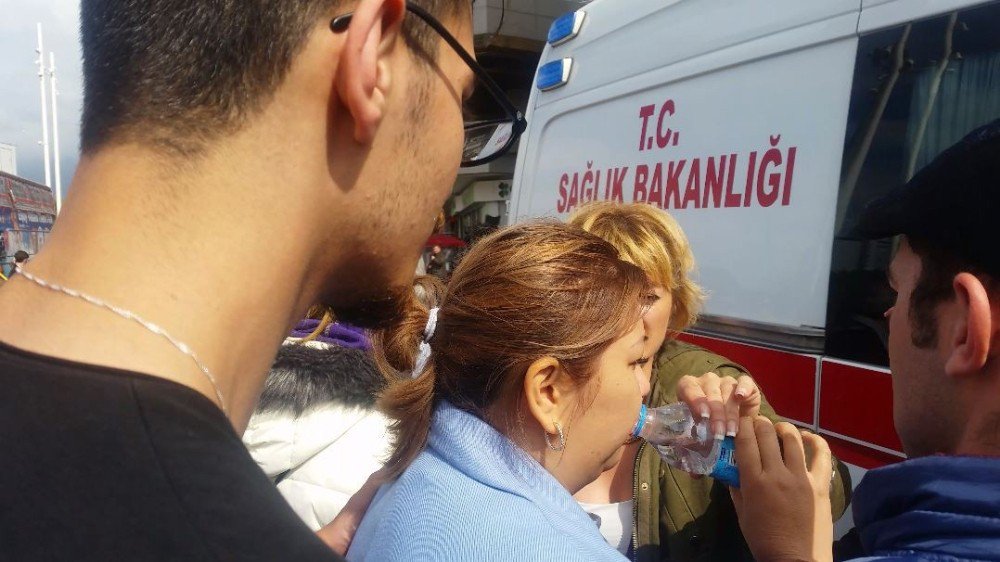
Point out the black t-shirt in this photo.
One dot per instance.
(103, 464)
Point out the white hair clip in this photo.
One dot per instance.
(424, 351)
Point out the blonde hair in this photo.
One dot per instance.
(650, 239)
(324, 315)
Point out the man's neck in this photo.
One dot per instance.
(227, 284)
(981, 435)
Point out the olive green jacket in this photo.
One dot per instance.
(684, 519)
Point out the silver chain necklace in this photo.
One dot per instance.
(129, 315)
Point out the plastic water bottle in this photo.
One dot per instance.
(686, 443)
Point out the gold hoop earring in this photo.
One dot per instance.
(562, 438)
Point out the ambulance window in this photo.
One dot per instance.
(918, 88)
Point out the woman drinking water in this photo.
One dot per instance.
(515, 394)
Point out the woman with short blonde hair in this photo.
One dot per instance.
(653, 241)
(648, 509)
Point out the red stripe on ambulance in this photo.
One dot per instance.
(859, 455)
(787, 379)
(857, 402)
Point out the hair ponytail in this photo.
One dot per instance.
(409, 398)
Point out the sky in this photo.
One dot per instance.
(20, 99)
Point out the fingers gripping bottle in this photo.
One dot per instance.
(686, 443)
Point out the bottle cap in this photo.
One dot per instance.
(639, 423)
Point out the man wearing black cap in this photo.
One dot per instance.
(944, 353)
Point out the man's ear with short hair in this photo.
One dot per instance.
(364, 73)
(972, 330)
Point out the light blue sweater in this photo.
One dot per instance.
(474, 495)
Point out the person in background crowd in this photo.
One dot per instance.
(944, 354)
(358, 107)
(438, 227)
(316, 432)
(665, 511)
(515, 393)
(20, 260)
(436, 264)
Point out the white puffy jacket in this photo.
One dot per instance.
(322, 455)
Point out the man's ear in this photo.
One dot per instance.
(973, 327)
(364, 73)
(547, 390)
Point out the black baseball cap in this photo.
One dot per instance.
(952, 203)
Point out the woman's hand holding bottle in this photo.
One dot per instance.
(723, 400)
(696, 435)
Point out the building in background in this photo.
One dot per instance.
(481, 204)
(27, 212)
(509, 37)
(8, 158)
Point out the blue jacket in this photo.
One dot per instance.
(474, 495)
(931, 508)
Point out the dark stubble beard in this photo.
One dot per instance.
(382, 309)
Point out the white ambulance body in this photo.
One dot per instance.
(764, 127)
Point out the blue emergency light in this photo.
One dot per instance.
(552, 75)
(566, 27)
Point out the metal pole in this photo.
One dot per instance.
(55, 131)
(45, 111)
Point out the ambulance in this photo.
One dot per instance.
(764, 128)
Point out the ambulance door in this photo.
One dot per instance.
(926, 74)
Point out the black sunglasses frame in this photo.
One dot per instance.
(340, 24)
